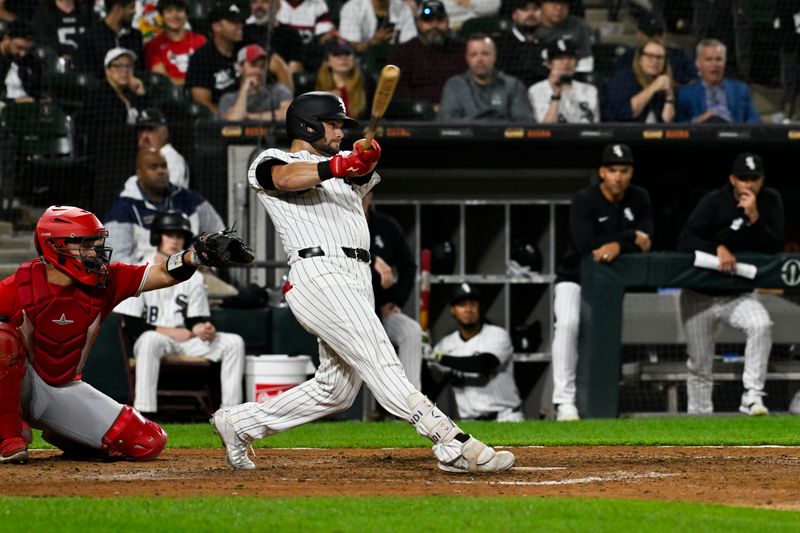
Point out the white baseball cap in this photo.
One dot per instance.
(114, 53)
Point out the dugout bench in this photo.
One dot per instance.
(602, 291)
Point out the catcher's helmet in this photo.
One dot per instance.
(527, 254)
(60, 226)
(170, 221)
(306, 113)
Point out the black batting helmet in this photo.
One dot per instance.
(170, 221)
(306, 113)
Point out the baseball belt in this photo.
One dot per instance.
(353, 253)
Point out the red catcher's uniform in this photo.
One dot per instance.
(61, 324)
(173, 54)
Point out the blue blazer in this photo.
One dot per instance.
(692, 102)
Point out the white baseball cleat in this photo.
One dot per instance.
(477, 458)
(236, 448)
(567, 412)
(752, 404)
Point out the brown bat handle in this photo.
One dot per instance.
(373, 126)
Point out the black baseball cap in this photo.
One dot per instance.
(431, 9)
(339, 46)
(616, 154)
(20, 29)
(229, 12)
(561, 47)
(151, 118)
(652, 23)
(747, 165)
(521, 4)
(465, 292)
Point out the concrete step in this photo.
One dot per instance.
(6, 228)
(14, 256)
(16, 243)
(6, 269)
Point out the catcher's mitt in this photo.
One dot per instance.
(222, 248)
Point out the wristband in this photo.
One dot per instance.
(669, 101)
(324, 170)
(178, 268)
(555, 97)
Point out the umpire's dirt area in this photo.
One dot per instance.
(756, 477)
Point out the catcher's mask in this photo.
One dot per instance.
(170, 221)
(306, 113)
(73, 241)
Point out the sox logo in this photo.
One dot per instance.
(790, 272)
(750, 163)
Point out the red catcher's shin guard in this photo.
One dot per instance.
(12, 371)
(133, 437)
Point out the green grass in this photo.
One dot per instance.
(679, 431)
(430, 514)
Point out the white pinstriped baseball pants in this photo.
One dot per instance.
(564, 352)
(332, 298)
(406, 334)
(702, 317)
(151, 346)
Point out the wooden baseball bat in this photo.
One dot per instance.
(390, 75)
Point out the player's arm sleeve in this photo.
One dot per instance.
(766, 235)
(259, 175)
(695, 234)
(482, 363)
(644, 221)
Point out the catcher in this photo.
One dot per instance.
(51, 310)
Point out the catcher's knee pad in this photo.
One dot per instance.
(133, 437)
(12, 371)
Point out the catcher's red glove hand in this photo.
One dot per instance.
(370, 156)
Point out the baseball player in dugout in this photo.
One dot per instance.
(313, 195)
(607, 219)
(177, 320)
(50, 312)
(393, 275)
(741, 215)
(478, 360)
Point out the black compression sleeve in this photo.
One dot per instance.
(192, 320)
(264, 173)
(482, 363)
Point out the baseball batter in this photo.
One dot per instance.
(313, 195)
(51, 310)
(177, 320)
(479, 359)
(741, 215)
(605, 220)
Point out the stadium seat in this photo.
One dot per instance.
(491, 26)
(411, 110)
(303, 82)
(50, 60)
(68, 89)
(198, 15)
(160, 89)
(185, 111)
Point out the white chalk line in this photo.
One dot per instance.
(613, 476)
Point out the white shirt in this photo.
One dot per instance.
(357, 21)
(480, 394)
(14, 88)
(310, 18)
(578, 105)
(176, 164)
(328, 215)
(458, 14)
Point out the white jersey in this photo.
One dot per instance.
(328, 215)
(579, 105)
(481, 394)
(308, 17)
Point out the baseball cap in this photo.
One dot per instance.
(339, 46)
(151, 118)
(114, 53)
(464, 292)
(561, 47)
(521, 4)
(20, 29)
(748, 165)
(230, 12)
(250, 53)
(616, 154)
(652, 23)
(431, 9)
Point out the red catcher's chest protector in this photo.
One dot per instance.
(61, 323)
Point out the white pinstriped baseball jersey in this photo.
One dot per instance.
(481, 394)
(328, 215)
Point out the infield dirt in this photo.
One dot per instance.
(754, 477)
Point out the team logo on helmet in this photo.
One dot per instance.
(617, 150)
(751, 164)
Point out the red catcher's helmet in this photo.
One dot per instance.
(61, 225)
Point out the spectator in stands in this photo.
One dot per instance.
(652, 27)
(5, 13)
(714, 98)
(13, 9)
(177, 321)
(374, 22)
(59, 24)
(146, 194)
(153, 134)
(168, 52)
(561, 98)
(605, 220)
(428, 60)
(311, 18)
(482, 92)
(478, 361)
(256, 99)
(119, 98)
(787, 28)
(556, 23)
(20, 73)
(340, 75)
(212, 69)
(743, 215)
(114, 31)
(264, 29)
(642, 91)
(519, 52)
(461, 11)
